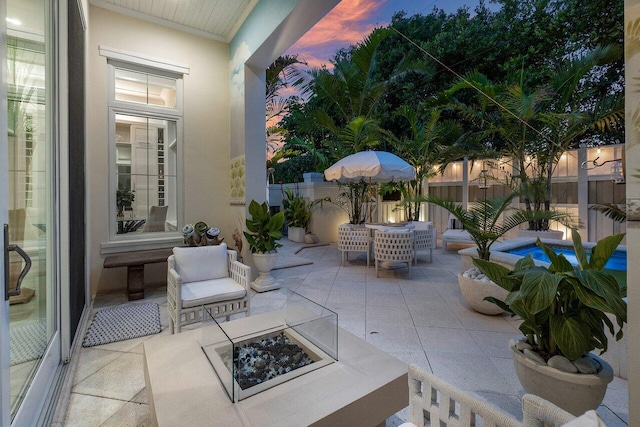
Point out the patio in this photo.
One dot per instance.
(422, 321)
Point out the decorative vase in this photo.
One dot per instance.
(265, 263)
(310, 238)
(574, 392)
(296, 234)
(474, 291)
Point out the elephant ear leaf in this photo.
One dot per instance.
(524, 263)
(497, 273)
(559, 263)
(603, 250)
(581, 254)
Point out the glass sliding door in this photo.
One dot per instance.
(30, 213)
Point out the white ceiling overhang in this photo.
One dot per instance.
(213, 19)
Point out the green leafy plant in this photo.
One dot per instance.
(264, 229)
(563, 308)
(489, 220)
(124, 197)
(296, 210)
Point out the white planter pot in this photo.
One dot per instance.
(549, 234)
(575, 393)
(296, 234)
(265, 263)
(474, 292)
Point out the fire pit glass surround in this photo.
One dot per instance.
(300, 337)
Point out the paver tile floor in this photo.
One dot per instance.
(422, 320)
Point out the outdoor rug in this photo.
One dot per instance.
(27, 341)
(123, 323)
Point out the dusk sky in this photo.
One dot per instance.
(351, 20)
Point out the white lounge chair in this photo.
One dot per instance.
(455, 233)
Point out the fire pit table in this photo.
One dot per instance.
(360, 385)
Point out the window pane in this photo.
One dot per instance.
(143, 88)
(162, 91)
(145, 198)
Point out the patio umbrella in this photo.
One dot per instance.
(371, 166)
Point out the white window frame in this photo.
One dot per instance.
(144, 64)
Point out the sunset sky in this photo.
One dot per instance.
(351, 20)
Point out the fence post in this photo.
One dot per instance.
(583, 194)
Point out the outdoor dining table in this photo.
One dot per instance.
(390, 225)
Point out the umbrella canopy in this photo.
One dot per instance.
(371, 166)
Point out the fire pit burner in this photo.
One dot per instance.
(263, 360)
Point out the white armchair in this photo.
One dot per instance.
(205, 277)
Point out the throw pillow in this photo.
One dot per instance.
(201, 263)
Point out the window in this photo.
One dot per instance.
(145, 122)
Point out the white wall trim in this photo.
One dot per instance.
(144, 60)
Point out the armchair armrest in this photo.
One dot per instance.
(241, 273)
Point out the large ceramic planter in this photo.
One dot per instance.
(265, 263)
(575, 393)
(474, 292)
(549, 234)
(296, 234)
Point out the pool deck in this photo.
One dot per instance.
(421, 320)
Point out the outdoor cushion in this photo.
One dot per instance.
(456, 236)
(201, 263)
(210, 291)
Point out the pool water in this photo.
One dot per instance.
(618, 260)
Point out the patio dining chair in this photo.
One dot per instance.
(424, 240)
(353, 239)
(392, 247)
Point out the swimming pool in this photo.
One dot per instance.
(618, 260)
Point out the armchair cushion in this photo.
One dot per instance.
(210, 291)
(201, 263)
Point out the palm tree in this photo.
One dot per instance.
(534, 127)
(487, 220)
(424, 146)
(281, 74)
(346, 97)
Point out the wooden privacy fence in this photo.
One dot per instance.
(575, 188)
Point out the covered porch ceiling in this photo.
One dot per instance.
(214, 19)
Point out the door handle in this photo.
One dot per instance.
(27, 266)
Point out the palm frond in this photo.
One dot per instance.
(612, 211)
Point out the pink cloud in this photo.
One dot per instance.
(347, 24)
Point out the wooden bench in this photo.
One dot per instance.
(135, 262)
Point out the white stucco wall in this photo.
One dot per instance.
(632, 142)
(205, 193)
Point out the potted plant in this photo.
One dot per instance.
(486, 221)
(297, 213)
(564, 314)
(264, 231)
(124, 199)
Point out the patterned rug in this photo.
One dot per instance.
(27, 341)
(123, 323)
